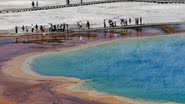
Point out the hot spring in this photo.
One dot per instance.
(145, 68)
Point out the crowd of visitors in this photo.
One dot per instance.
(122, 21)
(58, 27)
(31, 28)
(42, 28)
(63, 27)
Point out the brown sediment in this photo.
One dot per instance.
(22, 87)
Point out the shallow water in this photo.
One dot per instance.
(144, 68)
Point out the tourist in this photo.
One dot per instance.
(137, 21)
(16, 29)
(32, 28)
(67, 2)
(58, 27)
(64, 27)
(50, 27)
(36, 27)
(104, 22)
(126, 22)
(41, 28)
(61, 27)
(130, 20)
(27, 28)
(67, 27)
(114, 22)
(81, 25)
(33, 4)
(23, 28)
(122, 21)
(88, 25)
(54, 27)
(37, 4)
(111, 24)
(141, 20)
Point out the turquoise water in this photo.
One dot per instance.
(145, 68)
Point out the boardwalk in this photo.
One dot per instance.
(90, 33)
(58, 6)
(86, 3)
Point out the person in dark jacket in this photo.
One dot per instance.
(33, 4)
(104, 22)
(88, 25)
(67, 2)
(23, 28)
(130, 20)
(36, 27)
(141, 20)
(16, 29)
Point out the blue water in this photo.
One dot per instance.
(145, 68)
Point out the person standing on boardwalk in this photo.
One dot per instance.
(141, 20)
(36, 27)
(114, 22)
(137, 21)
(54, 28)
(122, 21)
(104, 23)
(111, 24)
(50, 27)
(16, 29)
(23, 28)
(126, 22)
(81, 2)
(64, 27)
(37, 4)
(33, 4)
(27, 28)
(67, 2)
(32, 28)
(41, 28)
(88, 25)
(130, 20)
